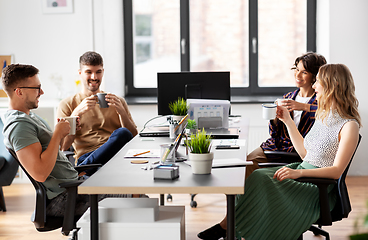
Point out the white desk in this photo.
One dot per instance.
(119, 176)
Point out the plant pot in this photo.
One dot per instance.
(177, 117)
(362, 236)
(201, 163)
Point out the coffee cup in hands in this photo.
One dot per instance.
(278, 102)
(102, 100)
(73, 124)
(269, 111)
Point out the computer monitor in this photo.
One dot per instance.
(199, 85)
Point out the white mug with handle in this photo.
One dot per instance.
(269, 111)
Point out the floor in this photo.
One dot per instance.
(15, 224)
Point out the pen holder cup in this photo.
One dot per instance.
(174, 130)
(164, 152)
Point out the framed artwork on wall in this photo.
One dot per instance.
(5, 60)
(57, 6)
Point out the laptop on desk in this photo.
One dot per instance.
(155, 131)
(216, 133)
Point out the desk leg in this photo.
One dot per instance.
(162, 199)
(230, 233)
(94, 216)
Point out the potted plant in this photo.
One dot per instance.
(191, 126)
(178, 108)
(200, 154)
(357, 229)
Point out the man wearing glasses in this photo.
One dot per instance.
(36, 146)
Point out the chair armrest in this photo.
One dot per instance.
(317, 181)
(70, 156)
(280, 156)
(322, 184)
(68, 153)
(70, 184)
(83, 168)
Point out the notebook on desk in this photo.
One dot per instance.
(155, 131)
(230, 162)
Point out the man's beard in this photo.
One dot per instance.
(31, 104)
(93, 88)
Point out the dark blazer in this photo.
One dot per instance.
(280, 139)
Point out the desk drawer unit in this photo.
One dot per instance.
(139, 222)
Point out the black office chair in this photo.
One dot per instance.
(45, 222)
(8, 169)
(342, 207)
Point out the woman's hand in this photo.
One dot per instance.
(283, 114)
(292, 105)
(285, 173)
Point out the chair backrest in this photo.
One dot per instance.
(39, 215)
(343, 207)
(41, 220)
(10, 167)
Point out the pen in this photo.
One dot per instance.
(140, 153)
(182, 120)
(165, 155)
(177, 138)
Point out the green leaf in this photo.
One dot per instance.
(191, 124)
(179, 107)
(199, 143)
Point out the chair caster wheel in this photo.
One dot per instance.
(193, 204)
(169, 198)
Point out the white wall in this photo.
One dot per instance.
(51, 42)
(54, 42)
(343, 38)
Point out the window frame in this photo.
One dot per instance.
(253, 90)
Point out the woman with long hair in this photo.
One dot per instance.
(272, 198)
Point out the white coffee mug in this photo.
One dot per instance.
(269, 111)
(73, 124)
(278, 102)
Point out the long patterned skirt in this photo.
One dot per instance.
(272, 209)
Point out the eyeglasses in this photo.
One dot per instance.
(38, 88)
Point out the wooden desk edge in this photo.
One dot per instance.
(160, 190)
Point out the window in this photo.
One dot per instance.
(143, 36)
(153, 42)
(256, 40)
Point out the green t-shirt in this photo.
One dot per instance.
(21, 130)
